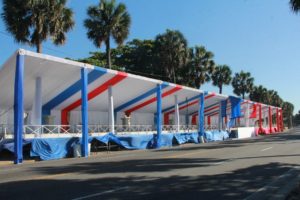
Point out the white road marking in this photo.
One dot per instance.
(218, 163)
(99, 193)
(266, 149)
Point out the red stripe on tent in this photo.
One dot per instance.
(208, 120)
(166, 119)
(167, 93)
(209, 96)
(194, 120)
(97, 91)
(212, 108)
(254, 111)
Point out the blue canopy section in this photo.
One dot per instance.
(216, 135)
(235, 107)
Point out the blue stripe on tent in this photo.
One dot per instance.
(211, 113)
(92, 76)
(205, 108)
(139, 98)
(181, 103)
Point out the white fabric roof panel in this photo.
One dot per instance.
(58, 74)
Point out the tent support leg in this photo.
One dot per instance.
(19, 109)
(111, 118)
(177, 118)
(201, 118)
(84, 112)
(159, 115)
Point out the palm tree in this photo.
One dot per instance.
(33, 22)
(295, 5)
(105, 21)
(258, 94)
(242, 83)
(288, 109)
(221, 76)
(201, 65)
(172, 52)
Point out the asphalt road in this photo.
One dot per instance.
(227, 170)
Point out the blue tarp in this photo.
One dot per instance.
(235, 107)
(56, 148)
(9, 145)
(182, 138)
(52, 148)
(216, 135)
(138, 141)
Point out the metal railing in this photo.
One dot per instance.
(6, 130)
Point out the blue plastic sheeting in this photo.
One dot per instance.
(137, 141)
(215, 135)
(235, 107)
(182, 138)
(56, 148)
(9, 145)
(147, 141)
(52, 148)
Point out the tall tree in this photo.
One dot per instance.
(258, 94)
(105, 21)
(221, 76)
(172, 52)
(32, 22)
(139, 57)
(295, 5)
(288, 109)
(242, 83)
(201, 65)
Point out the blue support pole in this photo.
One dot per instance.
(18, 109)
(158, 115)
(201, 117)
(84, 112)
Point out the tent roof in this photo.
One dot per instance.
(61, 86)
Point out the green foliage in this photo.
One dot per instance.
(221, 76)
(105, 21)
(295, 5)
(33, 21)
(201, 66)
(265, 96)
(296, 119)
(288, 109)
(172, 52)
(139, 57)
(242, 83)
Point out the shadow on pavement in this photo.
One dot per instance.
(236, 184)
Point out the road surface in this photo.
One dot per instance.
(226, 170)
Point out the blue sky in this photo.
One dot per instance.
(261, 37)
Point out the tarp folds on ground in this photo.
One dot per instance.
(215, 135)
(52, 148)
(56, 148)
(9, 144)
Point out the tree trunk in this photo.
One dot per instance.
(108, 58)
(243, 95)
(220, 89)
(39, 47)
